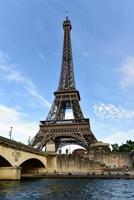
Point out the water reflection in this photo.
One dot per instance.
(67, 189)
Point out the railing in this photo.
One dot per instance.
(66, 121)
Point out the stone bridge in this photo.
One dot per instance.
(17, 159)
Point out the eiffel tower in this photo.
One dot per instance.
(56, 127)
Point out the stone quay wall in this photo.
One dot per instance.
(113, 159)
(95, 162)
(77, 164)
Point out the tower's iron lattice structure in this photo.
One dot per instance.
(56, 128)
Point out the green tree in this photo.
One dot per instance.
(115, 147)
(127, 147)
(124, 148)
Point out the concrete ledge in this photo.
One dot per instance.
(76, 176)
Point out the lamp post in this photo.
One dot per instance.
(10, 133)
(29, 140)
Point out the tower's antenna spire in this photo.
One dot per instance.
(67, 81)
(66, 15)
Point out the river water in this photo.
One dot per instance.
(67, 189)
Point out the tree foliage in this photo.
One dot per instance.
(115, 147)
(127, 147)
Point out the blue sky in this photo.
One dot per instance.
(31, 39)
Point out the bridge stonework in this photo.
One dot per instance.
(17, 159)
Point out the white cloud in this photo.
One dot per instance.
(41, 55)
(127, 72)
(9, 113)
(10, 72)
(110, 111)
(120, 137)
(22, 128)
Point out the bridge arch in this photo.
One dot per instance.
(32, 166)
(26, 157)
(4, 162)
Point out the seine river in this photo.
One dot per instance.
(67, 189)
